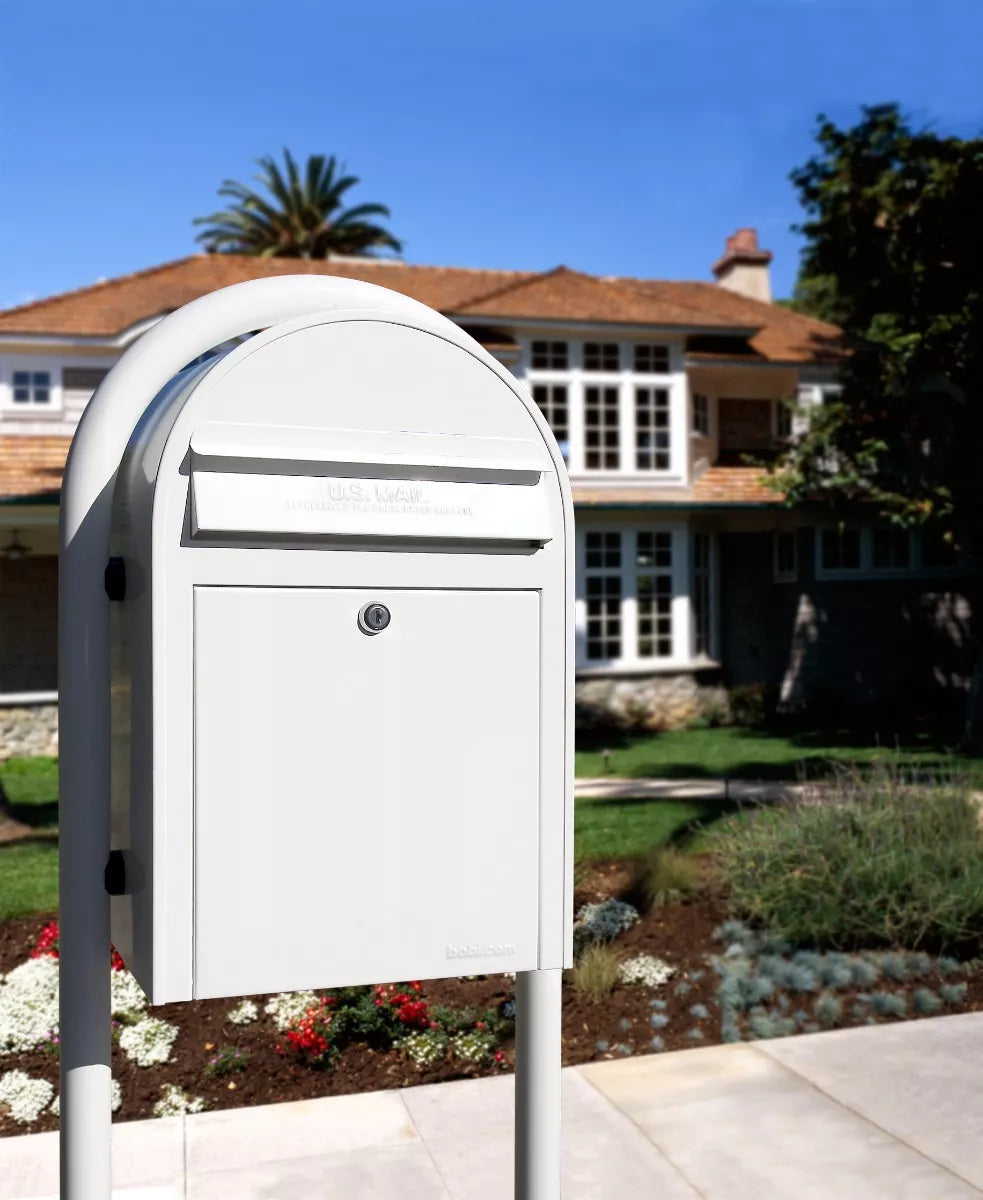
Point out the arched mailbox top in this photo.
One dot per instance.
(351, 424)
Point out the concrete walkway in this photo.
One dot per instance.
(747, 790)
(889, 1113)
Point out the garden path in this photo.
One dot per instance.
(885, 1113)
(744, 790)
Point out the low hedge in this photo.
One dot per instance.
(874, 862)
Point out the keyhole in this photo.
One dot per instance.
(373, 617)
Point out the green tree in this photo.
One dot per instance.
(894, 256)
(300, 217)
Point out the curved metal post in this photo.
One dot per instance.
(83, 671)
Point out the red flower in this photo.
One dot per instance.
(48, 946)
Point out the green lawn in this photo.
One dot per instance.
(31, 788)
(28, 877)
(628, 827)
(749, 754)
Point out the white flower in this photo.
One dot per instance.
(148, 1042)
(472, 1046)
(604, 921)
(243, 1014)
(645, 969)
(425, 1048)
(288, 1007)
(175, 1102)
(127, 996)
(28, 1004)
(24, 1097)
(115, 1099)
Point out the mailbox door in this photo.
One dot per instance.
(366, 804)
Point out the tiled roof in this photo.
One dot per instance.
(735, 485)
(783, 335)
(718, 485)
(32, 467)
(107, 309)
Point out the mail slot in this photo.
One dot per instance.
(341, 667)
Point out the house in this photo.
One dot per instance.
(691, 574)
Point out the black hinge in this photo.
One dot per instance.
(114, 579)
(115, 874)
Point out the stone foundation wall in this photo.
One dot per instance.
(655, 702)
(27, 730)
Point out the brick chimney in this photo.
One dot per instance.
(744, 267)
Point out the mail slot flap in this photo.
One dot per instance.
(291, 450)
(271, 507)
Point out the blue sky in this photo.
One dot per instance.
(624, 138)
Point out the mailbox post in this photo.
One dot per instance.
(328, 572)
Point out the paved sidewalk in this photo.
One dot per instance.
(889, 1113)
(749, 790)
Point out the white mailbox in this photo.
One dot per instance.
(341, 668)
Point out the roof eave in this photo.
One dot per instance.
(575, 323)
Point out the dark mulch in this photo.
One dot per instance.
(679, 933)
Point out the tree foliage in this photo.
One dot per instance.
(894, 256)
(301, 215)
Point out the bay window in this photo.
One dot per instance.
(644, 598)
(651, 360)
(552, 401)
(612, 406)
(653, 591)
(602, 587)
(652, 449)
(602, 435)
(602, 356)
(550, 356)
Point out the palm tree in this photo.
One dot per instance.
(303, 217)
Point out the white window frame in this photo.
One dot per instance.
(625, 380)
(778, 574)
(31, 411)
(681, 611)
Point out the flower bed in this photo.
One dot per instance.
(685, 975)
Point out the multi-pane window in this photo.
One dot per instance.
(602, 585)
(892, 549)
(601, 356)
(32, 387)
(553, 403)
(701, 414)
(653, 587)
(82, 379)
(786, 557)
(702, 627)
(601, 433)
(840, 550)
(651, 360)
(550, 356)
(652, 429)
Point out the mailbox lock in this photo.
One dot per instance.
(373, 617)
